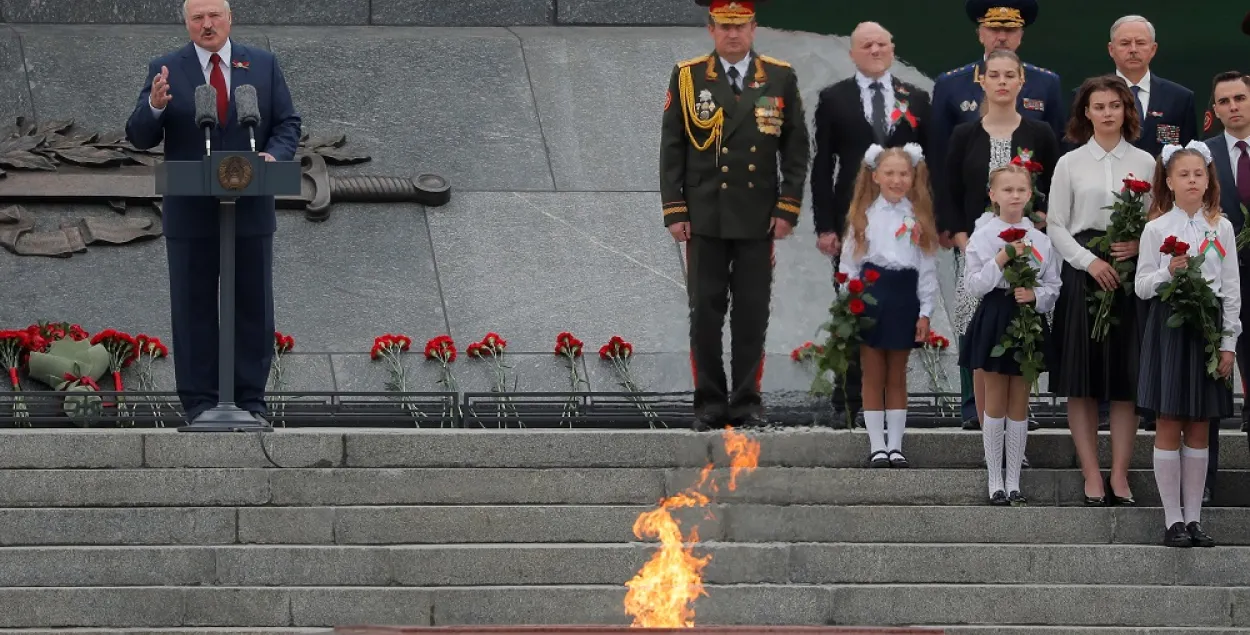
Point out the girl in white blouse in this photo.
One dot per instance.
(1006, 391)
(1087, 371)
(1173, 381)
(891, 236)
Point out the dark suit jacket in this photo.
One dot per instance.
(278, 134)
(1170, 116)
(1230, 201)
(963, 194)
(843, 134)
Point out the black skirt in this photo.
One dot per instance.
(996, 310)
(896, 311)
(1172, 381)
(1105, 370)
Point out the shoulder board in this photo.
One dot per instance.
(1030, 67)
(961, 70)
(774, 61)
(693, 61)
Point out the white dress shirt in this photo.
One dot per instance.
(207, 68)
(743, 66)
(982, 273)
(1143, 93)
(1234, 153)
(889, 249)
(865, 95)
(1220, 272)
(1084, 183)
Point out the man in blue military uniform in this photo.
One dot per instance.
(957, 97)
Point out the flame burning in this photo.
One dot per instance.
(662, 595)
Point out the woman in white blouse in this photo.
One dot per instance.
(1173, 381)
(1089, 371)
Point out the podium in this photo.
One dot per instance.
(227, 175)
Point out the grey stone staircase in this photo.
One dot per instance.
(133, 531)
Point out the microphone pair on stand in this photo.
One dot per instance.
(246, 105)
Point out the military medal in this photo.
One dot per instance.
(705, 107)
(768, 115)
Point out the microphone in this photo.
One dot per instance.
(248, 108)
(206, 113)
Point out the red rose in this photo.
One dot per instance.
(856, 306)
(1181, 248)
(1135, 186)
(855, 286)
(839, 277)
(872, 275)
(794, 354)
(1013, 234)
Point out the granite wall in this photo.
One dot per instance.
(365, 12)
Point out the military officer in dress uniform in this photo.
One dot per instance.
(957, 97)
(733, 161)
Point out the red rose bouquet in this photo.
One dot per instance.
(846, 322)
(1024, 332)
(1128, 219)
(1191, 299)
(619, 353)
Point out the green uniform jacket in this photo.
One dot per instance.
(754, 170)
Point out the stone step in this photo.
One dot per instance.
(607, 564)
(328, 447)
(876, 604)
(406, 525)
(948, 630)
(196, 487)
(281, 630)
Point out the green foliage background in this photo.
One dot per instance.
(1197, 39)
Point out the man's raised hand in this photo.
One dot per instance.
(160, 90)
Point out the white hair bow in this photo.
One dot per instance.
(872, 155)
(1197, 146)
(914, 151)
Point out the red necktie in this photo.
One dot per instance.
(218, 80)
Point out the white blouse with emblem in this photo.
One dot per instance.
(982, 273)
(890, 247)
(1220, 271)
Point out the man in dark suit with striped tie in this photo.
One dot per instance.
(1230, 152)
(1166, 109)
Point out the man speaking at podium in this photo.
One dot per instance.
(166, 111)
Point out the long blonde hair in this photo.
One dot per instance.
(867, 191)
(1163, 197)
(1009, 168)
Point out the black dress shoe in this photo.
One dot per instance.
(1113, 499)
(709, 418)
(999, 499)
(879, 459)
(1177, 536)
(1198, 536)
(1017, 499)
(971, 423)
(260, 418)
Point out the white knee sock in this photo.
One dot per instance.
(1167, 465)
(1017, 437)
(992, 437)
(874, 420)
(897, 420)
(1193, 481)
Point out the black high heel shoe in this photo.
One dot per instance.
(1113, 499)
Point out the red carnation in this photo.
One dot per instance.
(839, 277)
(856, 306)
(872, 275)
(855, 286)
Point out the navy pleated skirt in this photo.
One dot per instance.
(986, 330)
(896, 311)
(1084, 367)
(1172, 381)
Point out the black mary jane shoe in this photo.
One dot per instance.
(999, 498)
(1177, 536)
(897, 459)
(1198, 536)
(879, 459)
(1017, 499)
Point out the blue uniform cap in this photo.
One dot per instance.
(1002, 13)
